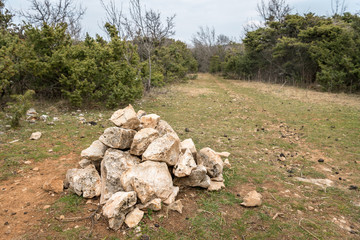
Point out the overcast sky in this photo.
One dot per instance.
(227, 16)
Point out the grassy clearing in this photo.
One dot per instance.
(274, 134)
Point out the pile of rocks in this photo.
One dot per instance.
(139, 164)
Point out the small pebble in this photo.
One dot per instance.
(46, 206)
(321, 160)
(187, 130)
(25, 213)
(35, 169)
(156, 225)
(14, 213)
(6, 223)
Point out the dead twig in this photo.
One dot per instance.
(307, 230)
(75, 219)
(277, 215)
(274, 198)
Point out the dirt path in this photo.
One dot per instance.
(22, 199)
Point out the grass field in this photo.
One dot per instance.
(274, 134)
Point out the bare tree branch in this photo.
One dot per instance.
(273, 10)
(64, 11)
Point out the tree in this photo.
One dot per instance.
(63, 11)
(274, 10)
(338, 7)
(5, 16)
(146, 28)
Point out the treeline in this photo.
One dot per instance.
(303, 50)
(47, 57)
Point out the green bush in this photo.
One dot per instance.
(18, 107)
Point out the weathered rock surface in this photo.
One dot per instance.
(142, 140)
(114, 164)
(156, 174)
(95, 152)
(35, 136)
(115, 137)
(252, 199)
(219, 178)
(115, 208)
(319, 182)
(54, 184)
(134, 217)
(188, 144)
(163, 149)
(84, 182)
(154, 205)
(185, 164)
(227, 164)
(150, 120)
(223, 154)
(212, 162)
(176, 206)
(216, 186)
(164, 128)
(126, 118)
(143, 190)
(140, 113)
(172, 196)
(197, 178)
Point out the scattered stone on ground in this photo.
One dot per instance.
(54, 184)
(318, 182)
(35, 136)
(135, 159)
(252, 199)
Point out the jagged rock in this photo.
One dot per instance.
(212, 162)
(142, 140)
(227, 164)
(252, 199)
(216, 186)
(44, 118)
(189, 144)
(31, 112)
(319, 182)
(35, 136)
(172, 196)
(85, 162)
(176, 206)
(143, 190)
(95, 152)
(84, 182)
(197, 178)
(219, 178)
(120, 138)
(150, 120)
(164, 128)
(185, 164)
(125, 118)
(223, 154)
(134, 217)
(140, 113)
(117, 206)
(163, 149)
(154, 205)
(54, 184)
(156, 174)
(114, 164)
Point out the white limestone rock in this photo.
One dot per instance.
(114, 164)
(85, 182)
(95, 152)
(142, 140)
(176, 206)
(126, 118)
(212, 162)
(150, 120)
(252, 199)
(134, 217)
(216, 186)
(156, 174)
(35, 136)
(164, 128)
(116, 208)
(154, 205)
(140, 113)
(185, 164)
(197, 178)
(143, 190)
(189, 144)
(115, 137)
(163, 149)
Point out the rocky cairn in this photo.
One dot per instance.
(139, 164)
